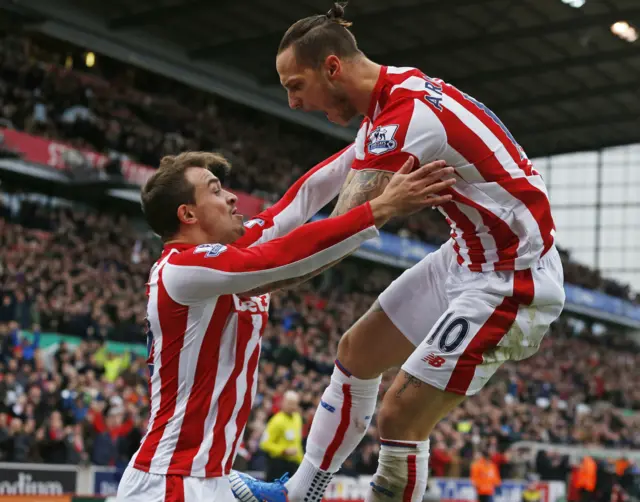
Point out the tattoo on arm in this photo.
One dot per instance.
(408, 380)
(359, 188)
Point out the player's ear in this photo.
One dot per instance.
(186, 214)
(332, 66)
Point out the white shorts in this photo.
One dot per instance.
(139, 486)
(465, 324)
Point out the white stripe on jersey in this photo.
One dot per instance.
(230, 430)
(417, 135)
(226, 365)
(487, 137)
(153, 317)
(412, 83)
(198, 320)
(482, 231)
(399, 69)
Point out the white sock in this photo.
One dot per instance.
(402, 472)
(340, 423)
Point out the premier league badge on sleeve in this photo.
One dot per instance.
(381, 139)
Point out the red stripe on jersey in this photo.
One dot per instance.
(411, 479)
(174, 489)
(345, 419)
(395, 114)
(204, 381)
(491, 332)
(468, 228)
(538, 205)
(243, 415)
(468, 144)
(228, 398)
(500, 231)
(173, 324)
(471, 147)
(523, 164)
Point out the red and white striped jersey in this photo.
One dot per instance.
(500, 215)
(204, 334)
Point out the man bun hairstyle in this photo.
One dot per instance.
(336, 14)
(316, 37)
(168, 188)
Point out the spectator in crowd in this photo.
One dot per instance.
(282, 439)
(586, 479)
(485, 477)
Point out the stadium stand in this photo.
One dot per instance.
(49, 283)
(114, 117)
(70, 269)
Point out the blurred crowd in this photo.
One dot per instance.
(127, 113)
(68, 269)
(71, 270)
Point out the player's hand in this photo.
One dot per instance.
(409, 192)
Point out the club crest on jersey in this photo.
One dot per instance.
(381, 139)
(211, 250)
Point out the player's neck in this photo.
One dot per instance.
(193, 237)
(363, 77)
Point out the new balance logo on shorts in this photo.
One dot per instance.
(433, 360)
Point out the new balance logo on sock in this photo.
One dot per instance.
(433, 360)
(381, 489)
(327, 406)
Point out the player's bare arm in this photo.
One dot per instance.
(360, 189)
(367, 184)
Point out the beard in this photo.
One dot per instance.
(340, 102)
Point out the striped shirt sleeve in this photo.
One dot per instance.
(405, 127)
(304, 199)
(214, 269)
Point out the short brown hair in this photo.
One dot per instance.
(168, 188)
(316, 37)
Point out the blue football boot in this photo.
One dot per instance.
(249, 489)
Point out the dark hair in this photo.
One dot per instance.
(168, 188)
(316, 37)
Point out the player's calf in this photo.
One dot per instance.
(409, 412)
(402, 472)
(340, 423)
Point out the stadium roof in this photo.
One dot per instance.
(556, 75)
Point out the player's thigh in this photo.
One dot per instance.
(373, 345)
(411, 408)
(399, 320)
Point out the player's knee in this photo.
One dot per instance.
(395, 423)
(352, 359)
(344, 349)
(391, 423)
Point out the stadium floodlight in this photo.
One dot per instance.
(90, 59)
(625, 31)
(576, 4)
